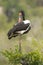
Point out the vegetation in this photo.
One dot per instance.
(31, 58)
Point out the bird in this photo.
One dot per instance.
(19, 28)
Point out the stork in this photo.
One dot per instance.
(19, 28)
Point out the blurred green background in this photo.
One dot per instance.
(33, 40)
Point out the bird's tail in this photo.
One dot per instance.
(11, 34)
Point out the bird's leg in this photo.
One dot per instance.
(20, 43)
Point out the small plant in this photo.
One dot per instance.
(14, 57)
(34, 58)
(31, 58)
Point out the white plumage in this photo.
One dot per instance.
(26, 21)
